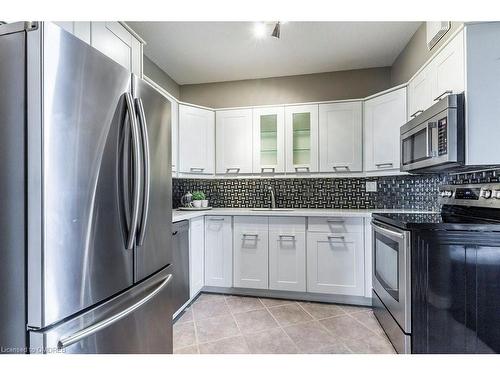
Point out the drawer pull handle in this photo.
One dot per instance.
(235, 170)
(216, 218)
(335, 221)
(250, 235)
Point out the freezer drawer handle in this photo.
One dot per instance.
(147, 171)
(94, 328)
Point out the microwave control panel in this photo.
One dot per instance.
(443, 136)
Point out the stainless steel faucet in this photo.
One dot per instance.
(273, 201)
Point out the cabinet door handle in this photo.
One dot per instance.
(383, 165)
(194, 169)
(236, 170)
(301, 169)
(290, 236)
(268, 169)
(335, 237)
(346, 167)
(417, 113)
(447, 92)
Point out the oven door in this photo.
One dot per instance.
(391, 271)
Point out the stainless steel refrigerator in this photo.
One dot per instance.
(85, 200)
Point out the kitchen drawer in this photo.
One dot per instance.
(287, 225)
(335, 224)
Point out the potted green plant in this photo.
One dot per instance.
(198, 199)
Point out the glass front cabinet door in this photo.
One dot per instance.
(269, 140)
(301, 132)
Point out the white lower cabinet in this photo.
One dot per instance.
(287, 253)
(196, 255)
(335, 263)
(251, 252)
(218, 251)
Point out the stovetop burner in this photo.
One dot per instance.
(464, 207)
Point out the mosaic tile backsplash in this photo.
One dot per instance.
(409, 191)
(416, 192)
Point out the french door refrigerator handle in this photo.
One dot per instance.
(147, 171)
(137, 172)
(96, 327)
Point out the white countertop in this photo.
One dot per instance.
(178, 215)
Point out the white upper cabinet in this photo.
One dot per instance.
(79, 29)
(175, 134)
(218, 251)
(340, 137)
(420, 92)
(301, 138)
(448, 69)
(112, 39)
(444, 74)
(269, 140)
(196, 140)
(233, 141)
(383, 117)
(115, 41)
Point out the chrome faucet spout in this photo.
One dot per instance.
(273, 201)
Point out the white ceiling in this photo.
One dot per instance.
(200, 52)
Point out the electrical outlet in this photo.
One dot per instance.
(371, 186)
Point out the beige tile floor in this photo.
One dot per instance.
(218, 324)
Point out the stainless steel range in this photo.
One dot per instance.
(436, 275)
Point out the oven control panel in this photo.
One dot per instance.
(481, 195)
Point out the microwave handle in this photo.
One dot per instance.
(431, 127)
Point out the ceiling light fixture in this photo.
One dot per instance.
(259, 30)
(277, 30)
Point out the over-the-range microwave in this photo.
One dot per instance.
(434, 141)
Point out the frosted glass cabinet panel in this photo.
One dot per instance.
(301, 128)
(269, 140)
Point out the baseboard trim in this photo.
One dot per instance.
(300, 296)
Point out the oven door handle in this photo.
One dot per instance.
(386, 231)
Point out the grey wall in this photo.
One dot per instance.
(340, 85)
(347, 84)
(154, 72)
(415, 54)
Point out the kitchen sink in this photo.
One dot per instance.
(272, 209)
